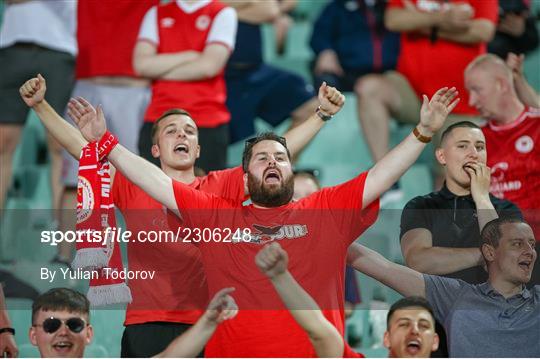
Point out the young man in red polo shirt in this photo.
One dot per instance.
(324, 223)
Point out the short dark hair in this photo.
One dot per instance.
(409, 302)
(172, 111)
(466, 124)
(265, 136)
(491, 233)
(57, 299)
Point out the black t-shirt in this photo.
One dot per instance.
(453, 222)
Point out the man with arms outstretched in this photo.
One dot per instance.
(498, 318)
(337, 215)
(175, 144)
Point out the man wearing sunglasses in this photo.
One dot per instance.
(61, 324)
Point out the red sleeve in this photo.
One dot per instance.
(120, 190)
(348, 352)
(197, 207)
(228, 184)
(486, 9)
(395, 3)
(344, 203)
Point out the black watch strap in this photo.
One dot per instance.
(7, 330)
(322, 115)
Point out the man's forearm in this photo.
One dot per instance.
(298, 137)
(391, 167)
(156, 66)
(305, 311)
(67, 135)
(4, 318)
(145, 175)
(400, 278)
(404, 20)
(486, 211)
(480, 31)
(443, 260)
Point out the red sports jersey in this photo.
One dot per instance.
(429, 66)
(315, 231)
(106, 35)
(178, 291)
(515, 163)
(204, 100)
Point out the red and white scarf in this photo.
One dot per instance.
(95, 213)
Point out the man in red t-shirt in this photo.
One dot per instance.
(180, 282)
(183, 47)
(512, 134)
(438, 39)
(325, 223)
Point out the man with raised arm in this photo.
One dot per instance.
(498, 318)
(326, 223)
(175, 139)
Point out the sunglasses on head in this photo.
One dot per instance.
(52, 324)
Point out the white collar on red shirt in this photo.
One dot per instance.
(189, 7)
(493, 125)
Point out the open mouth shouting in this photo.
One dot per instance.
(62, 347)
(181, 148)
(525, 265)
(272, 176)
(413, 347)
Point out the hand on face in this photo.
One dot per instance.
(480, 175)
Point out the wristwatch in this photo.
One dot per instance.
(322, 115)
(7, 330)
(420, 137)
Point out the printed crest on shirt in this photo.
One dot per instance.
(524, 144)
(264, 234)
(84, 210)
(167, 22)
(202, 22)
(498, 185)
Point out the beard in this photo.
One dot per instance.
(270, 197)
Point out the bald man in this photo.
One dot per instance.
(512, 135)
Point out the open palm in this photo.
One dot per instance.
(91, 123)
(434, 112)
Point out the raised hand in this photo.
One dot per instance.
(272, 260)
(8, 346)
(515, 63)
(33, 91)
(434, 112)
(331, 99)
(91, 123)
(222, 306)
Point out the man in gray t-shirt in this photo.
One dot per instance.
(499, 318)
